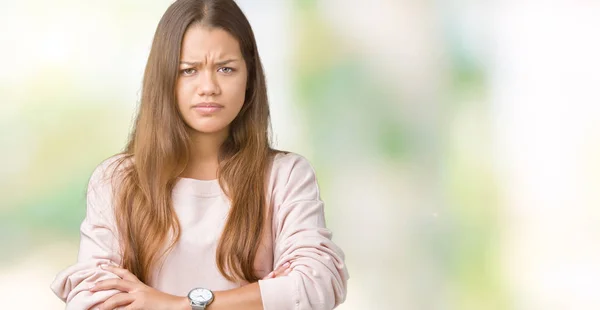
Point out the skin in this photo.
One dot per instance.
(212, 69)
(137, 295)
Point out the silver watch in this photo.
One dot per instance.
(200, 298)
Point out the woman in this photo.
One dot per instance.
(199, 211)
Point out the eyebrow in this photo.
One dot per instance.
(196, 63)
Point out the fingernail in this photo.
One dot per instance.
(287, 264)
(104, 266)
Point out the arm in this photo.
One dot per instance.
(319, 277)
(98, 245)
(246, 297)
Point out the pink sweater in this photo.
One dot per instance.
(297, 234)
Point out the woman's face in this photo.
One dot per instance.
(211, 83)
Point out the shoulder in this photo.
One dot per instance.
(286, 159)
(109, 167)
(108, 172)
(292, 166)
(292, 175)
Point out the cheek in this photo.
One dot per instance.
(184, 94)
(236, 91)
(182, 91)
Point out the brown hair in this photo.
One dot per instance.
(159, 149)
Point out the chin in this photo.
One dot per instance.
(208, 129)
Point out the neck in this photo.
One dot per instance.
(204, 155)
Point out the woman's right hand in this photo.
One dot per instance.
(283, 270)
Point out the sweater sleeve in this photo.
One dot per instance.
(98, 245)
(318, 279)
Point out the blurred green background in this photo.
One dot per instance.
(457, 144)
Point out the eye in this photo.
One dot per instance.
(188, 71)
(226, 70)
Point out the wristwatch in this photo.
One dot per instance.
(200, 298)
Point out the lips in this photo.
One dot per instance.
(207, 107)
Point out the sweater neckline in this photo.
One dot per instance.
(196, 187)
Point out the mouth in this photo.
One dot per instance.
(207, 107)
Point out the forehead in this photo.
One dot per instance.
(200, 42)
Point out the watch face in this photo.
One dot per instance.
(200, 295)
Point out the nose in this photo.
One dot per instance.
(207, 84)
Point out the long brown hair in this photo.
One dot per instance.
(158, 151)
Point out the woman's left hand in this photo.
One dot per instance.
(134, 293)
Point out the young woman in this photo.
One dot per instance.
(199, 211)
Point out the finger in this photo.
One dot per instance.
(121, 272)
(279, 271)
(118, 300)
(113, 284)
(287, 271)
